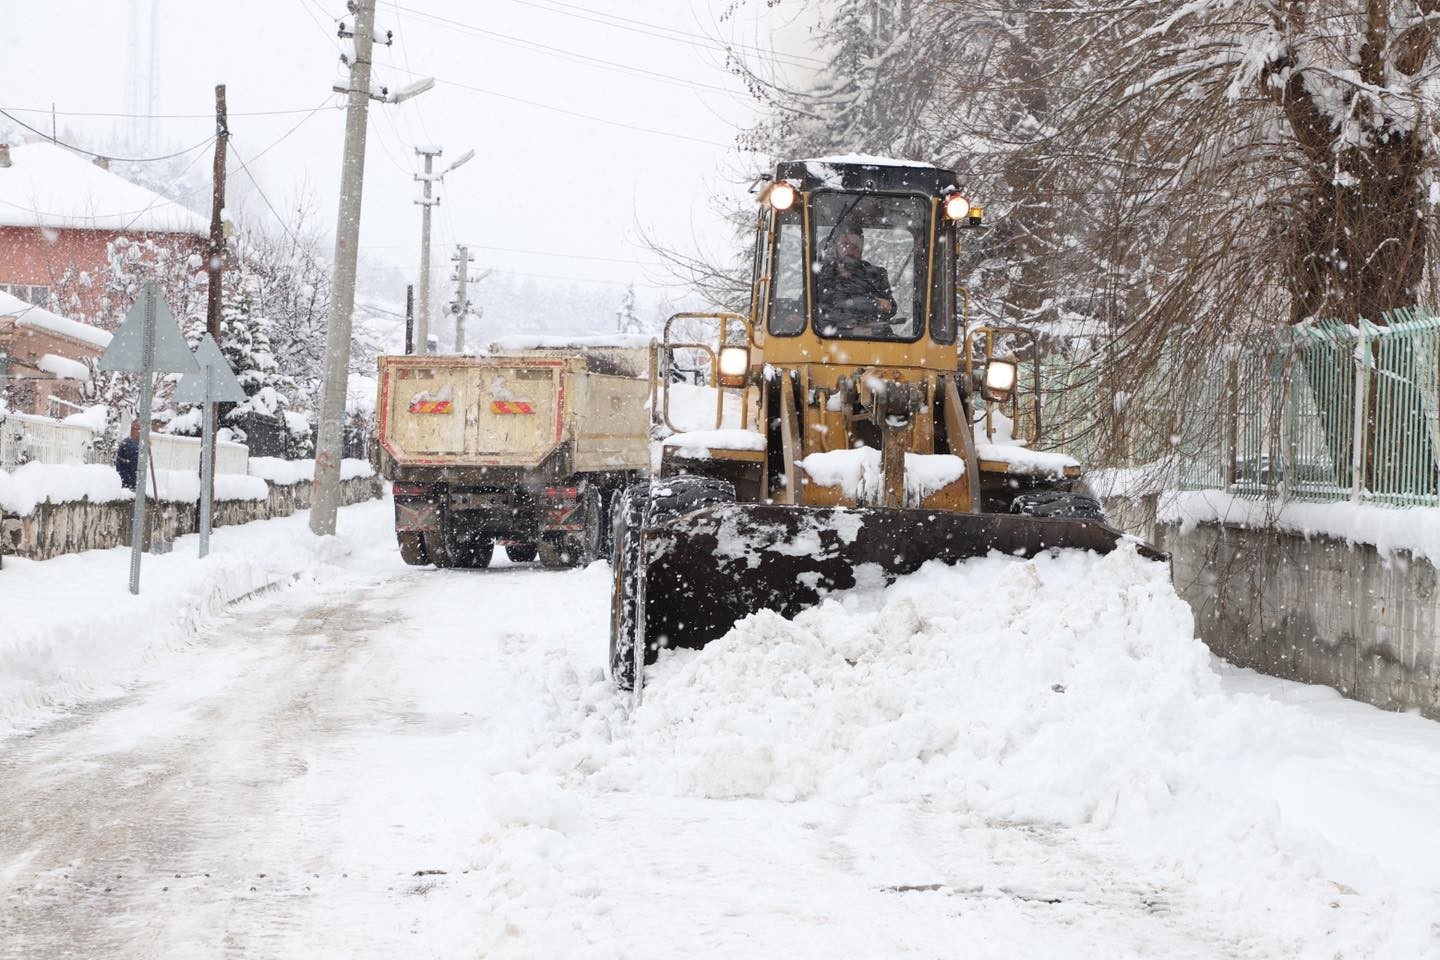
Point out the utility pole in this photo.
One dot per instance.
(216, 264)
(460, 306)
(422, 322)
(325, 501)
(409, 318)
(429, 178)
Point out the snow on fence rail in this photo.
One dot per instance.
(1316, 412)
(183, 454)
(25, 438)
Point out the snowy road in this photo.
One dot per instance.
(384, 762)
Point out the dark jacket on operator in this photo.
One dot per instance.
(845, 299)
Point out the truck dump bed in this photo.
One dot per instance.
(562, 410)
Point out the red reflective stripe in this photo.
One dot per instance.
(510, 406)
(431, 406)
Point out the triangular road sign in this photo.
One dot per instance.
(127, 348)
(224, 388)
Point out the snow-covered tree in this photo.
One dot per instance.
(627, 320)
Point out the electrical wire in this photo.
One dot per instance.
(523, 43)
(576, 113)
(101, 156)
(157, 116)
(539, 253)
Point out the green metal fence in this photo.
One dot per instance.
(1317, 412)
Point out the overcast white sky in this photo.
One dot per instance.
(527, 83)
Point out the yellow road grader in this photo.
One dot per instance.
(869, 428)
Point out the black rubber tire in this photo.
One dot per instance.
(437, 548)
(668, 498)
(628, 513)
(1055, 503)
(521, 552)
(412, 548)
(474, 553)
(672, 496)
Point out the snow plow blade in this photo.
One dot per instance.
(713, 567)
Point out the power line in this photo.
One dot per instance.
(91, 153)
(575, 113)
(540, 253)
(572, 55)
(156, 116)
(663, 32)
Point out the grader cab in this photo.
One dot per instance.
(861, 429)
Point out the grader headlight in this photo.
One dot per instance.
(782, 195)
(957, 207)
(999, 379)
(734, 364)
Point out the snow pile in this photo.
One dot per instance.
(699, 443)
(30, 484)
(976, 685)
(1065, 693)
(857, 472)
(288, 472)
(95, 419)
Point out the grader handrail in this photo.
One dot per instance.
(991, 334)
(665, 349)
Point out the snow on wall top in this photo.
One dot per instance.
(49, 186)
(29, 315)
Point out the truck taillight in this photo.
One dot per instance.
(411, 490)
(561, 493)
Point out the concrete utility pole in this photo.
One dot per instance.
(326, 497)
(216, 264)
(428, 178)
(460, 306)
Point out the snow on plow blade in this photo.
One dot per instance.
(715, 566)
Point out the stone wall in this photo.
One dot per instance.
(1314, 609)
(59, 528)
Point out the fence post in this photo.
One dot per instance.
(1358, 433)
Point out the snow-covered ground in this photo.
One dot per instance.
(1004, 759)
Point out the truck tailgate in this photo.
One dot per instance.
(465, 410)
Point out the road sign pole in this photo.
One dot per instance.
(147, 364)
(207, 462)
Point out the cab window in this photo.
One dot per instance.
(870, 265)
(787, 303)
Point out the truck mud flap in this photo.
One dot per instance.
(412, 516)
(708, 569)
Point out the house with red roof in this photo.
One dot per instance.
(60, 214)
(43, 355)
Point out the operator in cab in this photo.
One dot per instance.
(852, 295)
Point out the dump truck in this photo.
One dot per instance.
(878, 428)
(525, 444)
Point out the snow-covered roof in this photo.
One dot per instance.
(29, 315)
(611, 341)
(49, 186)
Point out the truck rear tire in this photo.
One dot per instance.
(437, 548)
(578, 549)
(475, 554)
(412, 548)
(1056, 503)
(521, 552)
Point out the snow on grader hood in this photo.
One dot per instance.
(869, 426)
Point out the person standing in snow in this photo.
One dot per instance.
(127, 456)
(850, 291)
